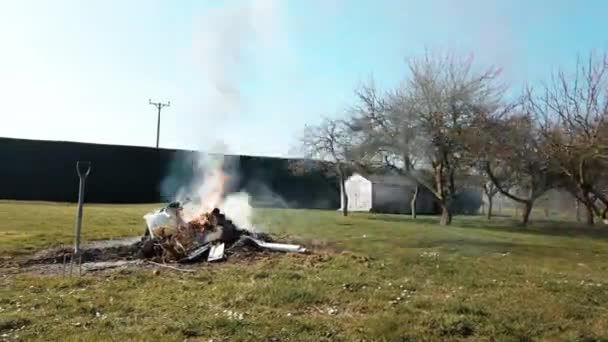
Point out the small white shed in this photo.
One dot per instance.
(390, 194)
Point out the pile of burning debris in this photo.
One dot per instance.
(210, 236)
(168, 238)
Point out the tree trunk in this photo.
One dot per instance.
(525, 217)
(590, 216)
(344, 197)
(446, 215)
(490, 205)
(577, 203)
(413, 202)
(590, 208)
(344, 194)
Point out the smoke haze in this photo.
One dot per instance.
(202, 182)
(235, 45)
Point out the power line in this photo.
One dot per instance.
(159, 106)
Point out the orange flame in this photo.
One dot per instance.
(214, 198)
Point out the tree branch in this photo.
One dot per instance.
(500, 188)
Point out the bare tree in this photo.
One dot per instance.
(426, 121)
(573, 112)
(515, 162)
(481, 147)
(447, 95)
(490, 190)
(386, 127)
(331, 141)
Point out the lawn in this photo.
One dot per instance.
(373, 278)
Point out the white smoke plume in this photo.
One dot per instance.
(240, 50)
(237, 207)
(232, 43)
(214, 176)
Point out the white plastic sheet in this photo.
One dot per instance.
(281, 247)
(165, 217)
(216, 252)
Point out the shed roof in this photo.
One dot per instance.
(467, 181)
(390, 180)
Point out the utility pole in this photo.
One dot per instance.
(159, 106)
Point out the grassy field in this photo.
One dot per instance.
(26, 226)
(377, 278)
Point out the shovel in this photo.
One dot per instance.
(83, 169)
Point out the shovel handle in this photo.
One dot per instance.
(83, 168)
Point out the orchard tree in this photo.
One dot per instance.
(427, 120)
(386, 128)
(447, 96)
(573, 112)
(515, 162)
(330, 141)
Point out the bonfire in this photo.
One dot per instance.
(169, 238)
(195, 229)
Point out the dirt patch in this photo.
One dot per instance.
(106, 255)
(64, 269)
(59, 255)
(103, 250)
(96, 255)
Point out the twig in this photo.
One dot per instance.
(65, 257)
(71, 264)
(171, 267)
(111, 265)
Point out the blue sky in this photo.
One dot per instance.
(248, 74)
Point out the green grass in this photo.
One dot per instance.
(29, 226)
(378, 278)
